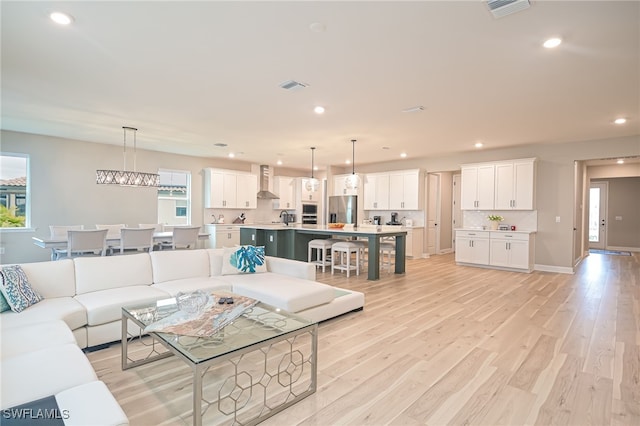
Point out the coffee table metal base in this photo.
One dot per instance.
(247, 385)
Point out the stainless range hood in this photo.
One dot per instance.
(264, 193)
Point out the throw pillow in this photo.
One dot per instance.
(243, 260)
(4, 306)
(16, 289)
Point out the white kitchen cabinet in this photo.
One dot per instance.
(307, 195)
(376, 192)
(414, 242)
(515, 183)
(285, 188)
(472, 247)
(404, 190)
(478, 191)
(229, 189)
(511, 250)
(339, 186)
(226, 236)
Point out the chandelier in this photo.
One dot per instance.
(353, 181)
(126, 177)
(312, 184)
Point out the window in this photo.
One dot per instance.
(174, 197)
(14, 191)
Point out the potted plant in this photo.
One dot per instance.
(495, 220)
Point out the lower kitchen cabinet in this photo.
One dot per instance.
(472, 247)
(223, 236)
(511, 251)
(499, 249)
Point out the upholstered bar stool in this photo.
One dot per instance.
(364, 246)
(341, 257)
(322, 254)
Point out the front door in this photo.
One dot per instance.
(598, 215)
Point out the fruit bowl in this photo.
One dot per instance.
(336, 225)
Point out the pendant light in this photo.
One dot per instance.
(353, 181)
(126, 177)
(312, 184)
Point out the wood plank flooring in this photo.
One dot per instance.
(444, 344)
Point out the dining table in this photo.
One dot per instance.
(112, 241)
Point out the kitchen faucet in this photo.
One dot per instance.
(285, 219)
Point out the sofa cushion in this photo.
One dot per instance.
(59, 308)
(192, 284)
(282, 291)
(103, 273)
(43, 275)
(215, 261)
(243, 260)
(37, 374)
(16, 289)
(33, 337)
(106, 305)
(4, 306)
(90, 404)
(170, 265)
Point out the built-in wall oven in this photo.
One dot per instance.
(309, 213)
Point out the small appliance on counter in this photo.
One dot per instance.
(377, 220)
(394, 219)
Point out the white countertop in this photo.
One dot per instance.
(517, 231)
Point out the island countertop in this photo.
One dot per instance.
(367, 229)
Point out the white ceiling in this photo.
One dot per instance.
(192, 74)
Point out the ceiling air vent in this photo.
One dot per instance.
(500, 8)
(293, 85)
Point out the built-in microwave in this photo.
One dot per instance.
(309, 213)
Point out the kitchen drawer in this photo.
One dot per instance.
(472, 234)
(510, 236)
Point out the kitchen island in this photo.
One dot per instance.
(291, 241)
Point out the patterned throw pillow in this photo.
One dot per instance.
(243, 260)
(4, 306)
(16, 289)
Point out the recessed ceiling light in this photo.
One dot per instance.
(552, 42)
(620, 161)
(620, 120)
(347, 162)
(318, 109)
(61, 18)
(479, 145)
(220, 144)
(315, 168)
(385, 147)
(403, 154)
(279, 162)
(231, 155)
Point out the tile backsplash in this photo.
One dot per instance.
(524, 220)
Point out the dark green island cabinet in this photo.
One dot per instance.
(276, 242)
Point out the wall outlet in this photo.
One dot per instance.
(618, 217)
(557, 219)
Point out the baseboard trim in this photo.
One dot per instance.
(618, 248)
(551, 268)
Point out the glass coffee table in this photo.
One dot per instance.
(253, 368)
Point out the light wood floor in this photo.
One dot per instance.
(445, 344)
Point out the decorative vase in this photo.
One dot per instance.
(494, 225)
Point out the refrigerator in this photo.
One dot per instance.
(343, 209)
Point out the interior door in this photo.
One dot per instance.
(433, 214)
(598, 215)
(456, 209)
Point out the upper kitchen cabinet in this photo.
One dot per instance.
(229, 189)
(340, 187)
(285, 188)
(404, 190)
(306, 194)
(376, 191)
(478, 191)
(515, 183)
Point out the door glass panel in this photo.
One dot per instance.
(594, 215)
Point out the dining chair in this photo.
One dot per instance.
(86, 242)
(136, 239)
(185, 237)
(113, 230)
(60, 231)
(158, 227)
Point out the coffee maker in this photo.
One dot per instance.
(394, 219)
(377, 220)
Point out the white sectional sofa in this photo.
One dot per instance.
(81, 308)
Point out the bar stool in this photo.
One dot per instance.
(364, 247)
(386, 248)
(323, 252)
(344, 250)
